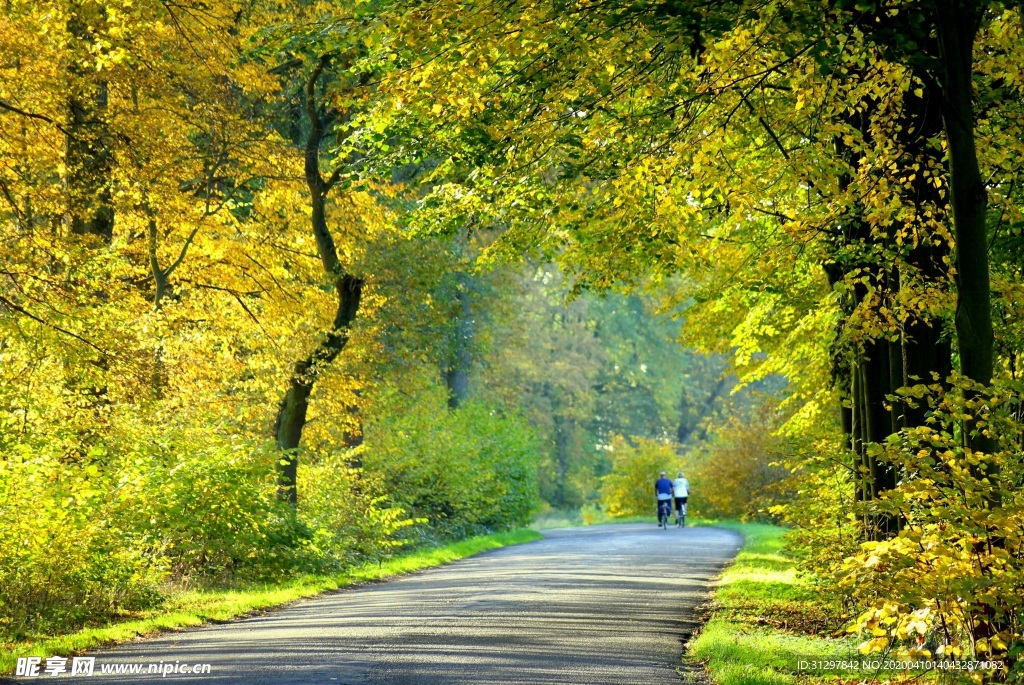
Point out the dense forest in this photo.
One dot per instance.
(287, 286)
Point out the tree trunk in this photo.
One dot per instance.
(878, 426)
(687, 426)
(894, 365)
(456, 375)
(291, 414)
(88, 155)
(869, 377)
(563, 426)
(927, 355)
(846, 418)
(957, 23)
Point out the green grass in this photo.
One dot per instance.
(195, 607)
(766, 619)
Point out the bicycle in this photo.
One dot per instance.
(681, 517)
(664, 511)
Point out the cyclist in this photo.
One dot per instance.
(681, 492)
(663, 491)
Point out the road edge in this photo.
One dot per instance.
(231, 605)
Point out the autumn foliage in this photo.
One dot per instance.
(283, 287)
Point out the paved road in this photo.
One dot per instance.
(587, 606)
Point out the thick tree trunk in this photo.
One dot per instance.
(869, 377)
(927, 354)
(957, 23)
(878, 425)
(291, 414)
(925, 351)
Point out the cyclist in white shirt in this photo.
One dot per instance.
(681, 492)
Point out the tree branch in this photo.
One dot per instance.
(181, 255)
(32, 115)
(21, 310)
(765, 125)
(316, 133)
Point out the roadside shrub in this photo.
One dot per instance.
(102, 537)
(212, 511)
(951, 582)
(63, 559)
(590, 514)
(205, 505)
(735, 475)
(629, 489)
(823, 530)
(348, 512)
(465, 471)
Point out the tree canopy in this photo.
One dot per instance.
(284, 287)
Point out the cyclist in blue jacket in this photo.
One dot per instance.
(663, 491)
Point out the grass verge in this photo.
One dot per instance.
(192, 608)
(766, 620)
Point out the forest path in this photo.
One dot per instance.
(596, 605)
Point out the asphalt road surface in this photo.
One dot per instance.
(600, 605)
